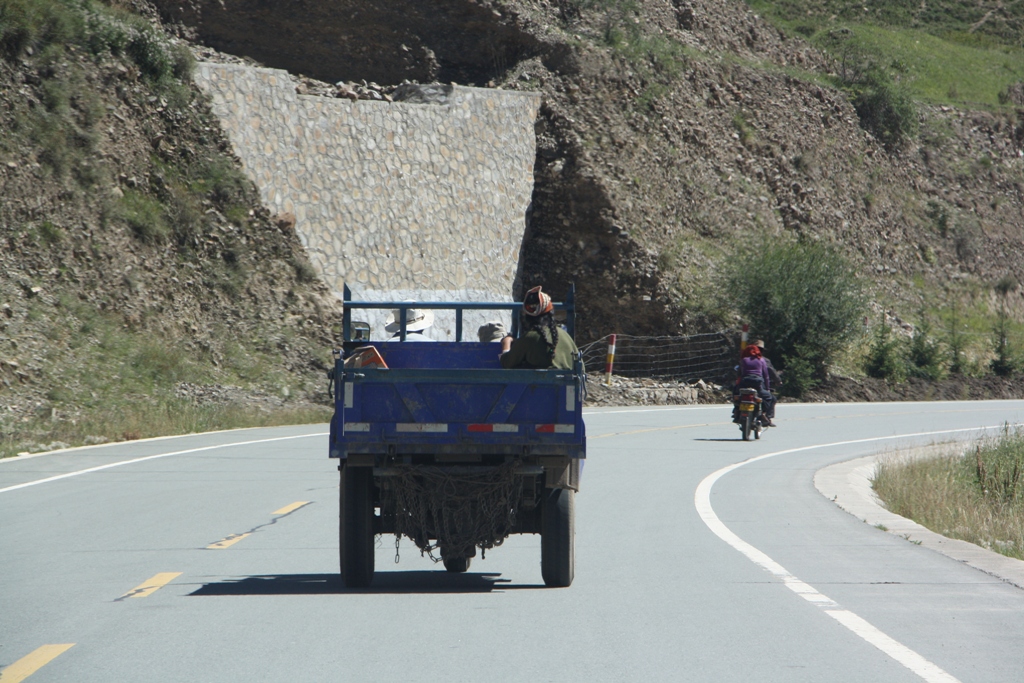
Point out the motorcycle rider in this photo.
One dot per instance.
(753, 374)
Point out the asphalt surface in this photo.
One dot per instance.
(207, 561)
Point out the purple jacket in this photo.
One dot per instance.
(756, 367)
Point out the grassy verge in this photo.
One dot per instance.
(976, 495)
(110, 383)
(159, 418)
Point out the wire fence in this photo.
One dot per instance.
(700, 356)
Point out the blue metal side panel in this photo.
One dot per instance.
(440, 405)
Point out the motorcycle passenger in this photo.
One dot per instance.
(773, 374)
(753, 372)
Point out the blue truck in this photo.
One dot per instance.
(438, 443)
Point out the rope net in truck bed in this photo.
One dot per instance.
(453, 512)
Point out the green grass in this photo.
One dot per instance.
(127, 422)
(929, 48)
(116, 384)
(145, 216)
(975, 495)
(939, 71)
(958, 20)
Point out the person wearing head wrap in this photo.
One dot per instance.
(753, 371)
(543, 344)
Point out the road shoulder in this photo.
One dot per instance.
(848, 485)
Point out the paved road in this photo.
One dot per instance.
(208, 561)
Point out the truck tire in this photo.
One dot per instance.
(557, 538)
(456, 565)
(355, 528)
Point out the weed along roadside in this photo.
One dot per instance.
(972, 492)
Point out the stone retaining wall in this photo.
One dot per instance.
(398, 201)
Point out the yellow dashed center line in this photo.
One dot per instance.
(228, 542)
(152, 585)
(291, 508)
(33, 662)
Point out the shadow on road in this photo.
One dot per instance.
(738, 438)
(383, 582)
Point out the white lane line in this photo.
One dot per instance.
(75, 449)
(895, 649)
(617, 410)
(899, 652)
(77, 473)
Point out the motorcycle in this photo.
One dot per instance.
(747, 413)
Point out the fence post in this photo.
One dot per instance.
(611, 360)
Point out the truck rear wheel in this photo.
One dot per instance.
(356, 526)
(557, 538)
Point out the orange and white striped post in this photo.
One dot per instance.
(611, 360)
(744, 337)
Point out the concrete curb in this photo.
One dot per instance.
(848, 485)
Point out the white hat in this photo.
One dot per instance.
(416, 319)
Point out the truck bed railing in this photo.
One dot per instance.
(568, 306)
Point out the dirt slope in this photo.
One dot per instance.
(137, 266)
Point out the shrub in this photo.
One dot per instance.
(799, 376)
(956, 340)
(223, 180)
(1004, 364)
(107, 34)
(805, 300)
(149, 52)
(183, 64)
(144, 216)
(35, 23)
(885, 359)
(885, 108)
(304, 270)
(924, 356)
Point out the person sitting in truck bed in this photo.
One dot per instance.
(492, 331)
(543, 344)
(417, 321)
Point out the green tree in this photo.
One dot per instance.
(885, 359)
(956, 340)
(804, 299)
(924, 356)
(1004, 364)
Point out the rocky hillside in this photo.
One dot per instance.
(672, 133)
(139, 271)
